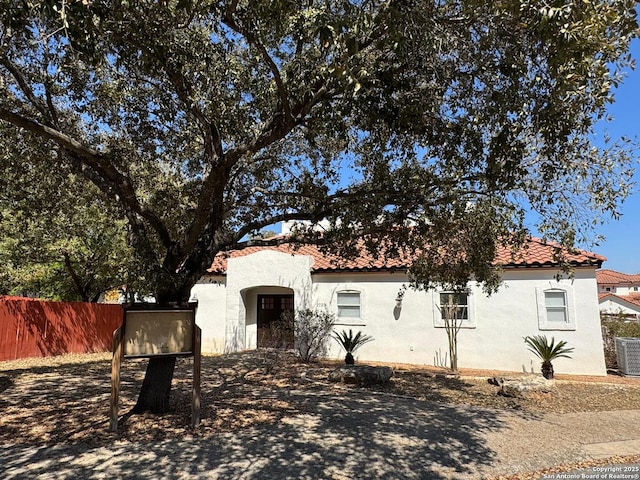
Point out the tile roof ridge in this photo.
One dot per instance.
(608, 276)
(570, 251)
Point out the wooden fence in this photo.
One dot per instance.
(37, 328)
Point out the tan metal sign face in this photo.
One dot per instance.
(158, 332)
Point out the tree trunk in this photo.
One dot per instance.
(156, 386)
(348, 359)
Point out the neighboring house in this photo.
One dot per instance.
(247, 289)
(618, 292)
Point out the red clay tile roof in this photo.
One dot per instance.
(536, 253)
(611, 277)
(634, 299)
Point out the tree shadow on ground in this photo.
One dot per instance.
(332, 436)
(5, 382)
(253, 426)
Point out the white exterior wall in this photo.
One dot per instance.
(409, 334)
(620, 290)
(513, 313)
(267, 271)
(211, 294)
(616, 305)
(501, 322)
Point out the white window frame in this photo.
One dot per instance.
(570, 314)
(347, 320)
(438, 321)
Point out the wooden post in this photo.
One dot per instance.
(116, 361)
(125, 335)
(195, 400)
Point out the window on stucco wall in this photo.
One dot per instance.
(555, 302)
(458, 301)
(349, 307)
(555, 308)
(464, 311)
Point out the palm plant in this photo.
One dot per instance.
(351, 343)
(547, 352)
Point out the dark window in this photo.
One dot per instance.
(456, 304)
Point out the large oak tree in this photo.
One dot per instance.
(60, 238)
(403, 122)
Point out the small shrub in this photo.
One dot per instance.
(547, 352)
(351, 343)
(275, 344)
(616, 326)
(312, 330)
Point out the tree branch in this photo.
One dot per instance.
(50, 133)
(283, 95)
(210, 131)
(95, 166)
(234, 240)
(74, 276)
(25, 87)
(211, 184)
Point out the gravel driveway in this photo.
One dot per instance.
(346, 436)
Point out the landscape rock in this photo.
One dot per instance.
(361, 375)
(517, 387)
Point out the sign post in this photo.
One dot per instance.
(150, 330)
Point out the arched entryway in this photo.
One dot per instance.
(274, 318)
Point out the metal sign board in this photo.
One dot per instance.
(151, 331)
(158, 332)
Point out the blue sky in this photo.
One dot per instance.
(622, 244)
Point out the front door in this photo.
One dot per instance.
(271, 331)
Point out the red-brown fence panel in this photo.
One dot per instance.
(37, 328)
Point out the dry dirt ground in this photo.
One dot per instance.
(423, 424)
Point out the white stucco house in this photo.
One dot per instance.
(618, 293)
(244, 290)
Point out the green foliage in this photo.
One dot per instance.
(201, 122)
(545, 350)
(622, 327)
(351, 342)
(616, 326)
(60, 239)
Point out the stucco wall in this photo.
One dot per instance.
(258, 273)
(408, 334)
(211, 293)
(499, 322)
(513, 313)
(619, 289)
(614, 305)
